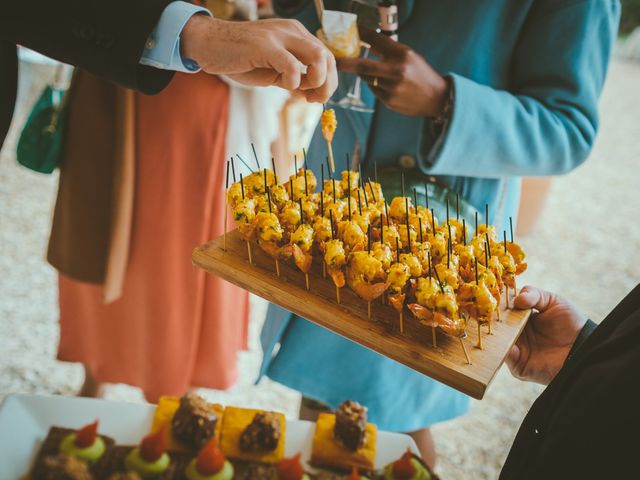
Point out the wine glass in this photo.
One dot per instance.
(353, 99)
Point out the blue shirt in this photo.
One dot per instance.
(163, 45)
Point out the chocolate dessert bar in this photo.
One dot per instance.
(194, 423)
(351, 423)
(262, 434)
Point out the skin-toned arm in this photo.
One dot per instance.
(264, 52)
(543, 346)
(404, 81)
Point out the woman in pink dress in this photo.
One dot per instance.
(172, 326)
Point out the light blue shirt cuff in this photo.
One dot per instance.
(162, 49)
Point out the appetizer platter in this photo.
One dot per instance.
(433, 294)
(44, 438)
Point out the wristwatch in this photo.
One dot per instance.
(444, 117)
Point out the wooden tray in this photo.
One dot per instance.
(446, 363)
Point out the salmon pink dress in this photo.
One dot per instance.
(175, 326)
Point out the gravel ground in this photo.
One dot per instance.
(589, 218)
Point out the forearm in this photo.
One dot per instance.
(545, 121)
(105, 38)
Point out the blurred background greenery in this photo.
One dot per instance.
(630, 16)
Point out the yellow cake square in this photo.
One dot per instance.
(326, 452)
(165, 410)
(235, 421)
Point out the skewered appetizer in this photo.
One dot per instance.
(397, 249)
(291, 469)
(328, 125)
(345, 439)
(78, 452)
(253, 435)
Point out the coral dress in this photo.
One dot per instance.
(174, 326)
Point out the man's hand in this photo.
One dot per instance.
(544, 344)
(402, 80)
(264, 52)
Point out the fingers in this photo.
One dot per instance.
(532, 297)
(260, 77)
(289, 69)
(381, 45)
(327, 86)
(512, 359)
(370, 68)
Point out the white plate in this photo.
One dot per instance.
(25, 421)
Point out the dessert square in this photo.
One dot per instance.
(326, 452)
(234, 423)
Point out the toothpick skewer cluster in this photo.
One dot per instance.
(398, 249)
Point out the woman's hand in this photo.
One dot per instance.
(543, 346)
(402, 80)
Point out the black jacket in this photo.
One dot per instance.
(105, 37)
(586, 424)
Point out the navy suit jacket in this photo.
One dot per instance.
(106, 38)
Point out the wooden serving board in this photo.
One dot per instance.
(445, 363)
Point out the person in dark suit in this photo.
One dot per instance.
(138, 43)
(586, 422)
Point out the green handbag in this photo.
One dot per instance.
(40, 142)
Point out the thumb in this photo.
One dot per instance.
(532, 297)
(513, 356)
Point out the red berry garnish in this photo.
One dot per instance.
(153, 445)
(403, 468)
(210, 459)
(86, 435)
(290, 468)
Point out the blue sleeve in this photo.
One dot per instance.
(547, 122)
(163, 46)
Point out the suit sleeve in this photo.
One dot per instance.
(546, 123)
(106, 38)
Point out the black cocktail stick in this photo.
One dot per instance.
(464, 232)
(359, 203)
(275, 174)
(486, 236)
(255, 155)
(373, 194)
(241, 186)
(233, 170)
(265, 181)
(420, 224)
(475, 233)
(435, 272)
(244, 163)
(406, 207)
